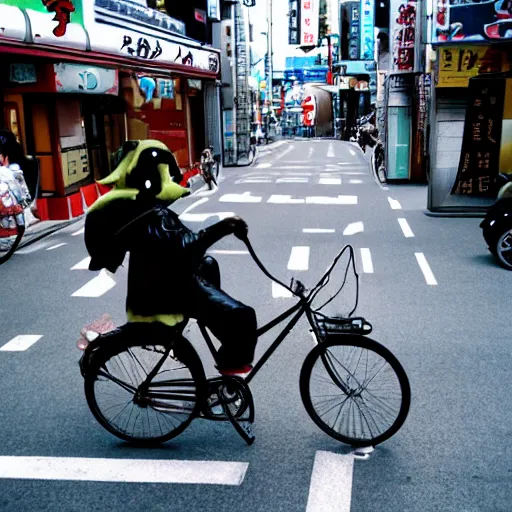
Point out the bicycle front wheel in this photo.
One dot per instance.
(355, 390)
(172, 400)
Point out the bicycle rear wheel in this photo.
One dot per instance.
(355, 390)
(173, 399)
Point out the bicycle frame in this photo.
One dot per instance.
(301, 307)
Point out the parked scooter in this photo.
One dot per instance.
(497, 225)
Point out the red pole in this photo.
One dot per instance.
(330, 80)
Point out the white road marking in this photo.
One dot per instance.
(310, 152)
(263, 166)
(318, 230)
(355, 182)
(425, 268)
(56, 246)
(395, 205)
(407, 231)
(194, 205)
(82, 265)
(285, 152)
(299, 258)
(201, 217)
(253, 180)
(330, 489)
(279, 292)
(79, 232)
(331, 200)
(330, 151)
(352, 152)
(225, 251)
(96, 287)
(292, 180)
(353, 228)
(330, 181)
(366, 258)
(293, 167)
(278, 199)
(21, 342)
(245, 197)
(352, 173)
(124, 470)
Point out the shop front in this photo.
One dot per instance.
(74, 94)
(469, 133)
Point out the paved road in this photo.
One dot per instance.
(433, 294)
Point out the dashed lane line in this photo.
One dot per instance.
(425, 268)
(21, 342)
(124, 470)
(82, 265)
(299, 258)
(81, 231)
(366, 258)
(56, 246)
(395, 205)
(245, 197)
(330, 489)
(330, 181)
(96, 287)
(406, 230)
(354, 228)
(318, 230)
(225, 251)
(279, 292)
(330, 151)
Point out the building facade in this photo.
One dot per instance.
(77, 82)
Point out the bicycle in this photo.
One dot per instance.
(209, 166)
(378, 162)
(367, 399)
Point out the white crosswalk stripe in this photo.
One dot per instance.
(21, 342)
(96, 287)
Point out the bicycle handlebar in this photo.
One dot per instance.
(299, 288)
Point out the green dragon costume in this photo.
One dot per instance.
(169, 276)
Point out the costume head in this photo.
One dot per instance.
(145, 171)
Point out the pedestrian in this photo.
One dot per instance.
(15, 200)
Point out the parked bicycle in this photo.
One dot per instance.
(145, 383)
(378, 162)
(209, 166)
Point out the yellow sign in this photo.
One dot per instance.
(506, 131)
(458, 65)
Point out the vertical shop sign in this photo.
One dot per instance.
(480, 154)
(506, 135)
(464, 20)
(293, 22)
(367, 29)
(403, 19)
(309, 18)
(354, 40)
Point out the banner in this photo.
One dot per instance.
(80, 78)
(309, 22)
(480, 153)
(403, 21)
(367, 29)
(471, 20)
(506, 135)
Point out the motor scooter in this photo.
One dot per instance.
(497, 224)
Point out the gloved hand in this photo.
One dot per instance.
(238, 226)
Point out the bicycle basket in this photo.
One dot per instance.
(342, 325)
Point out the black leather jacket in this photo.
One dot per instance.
(164, 253)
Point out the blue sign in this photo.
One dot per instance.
(367, 29)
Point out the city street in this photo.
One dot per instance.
(432, 291)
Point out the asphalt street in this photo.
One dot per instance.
(429, 286)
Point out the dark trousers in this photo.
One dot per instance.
(231, 322)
